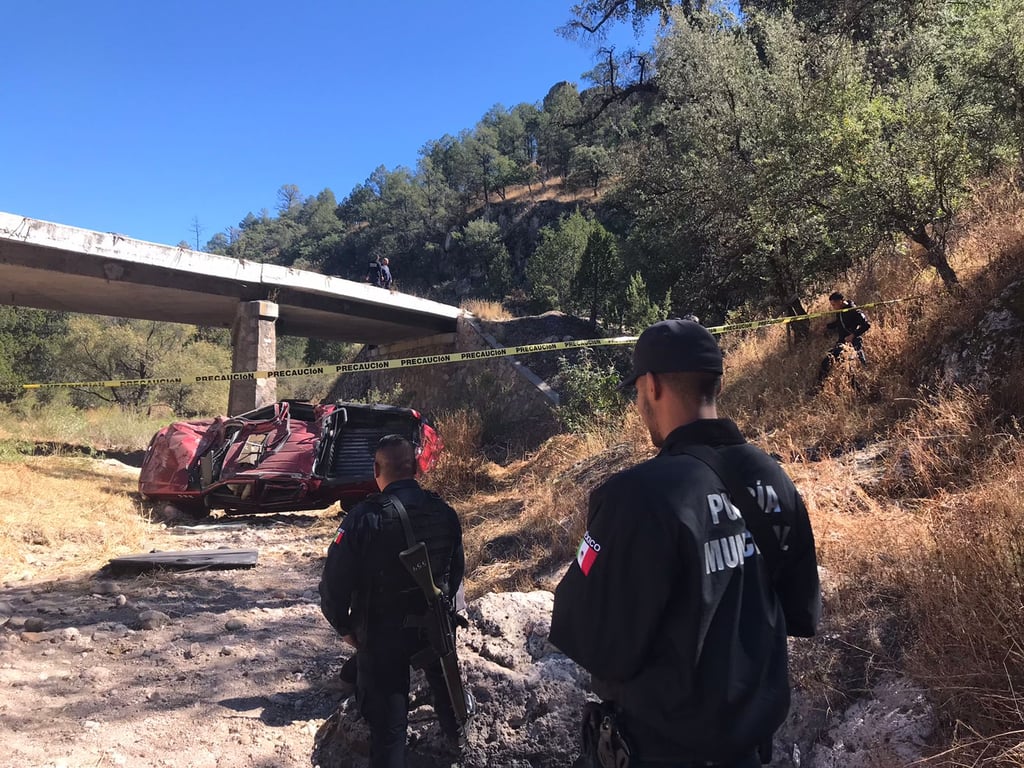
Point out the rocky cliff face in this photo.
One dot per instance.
(980, 358)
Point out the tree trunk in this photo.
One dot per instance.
(935, 253)
(800, 330)
(785, 284)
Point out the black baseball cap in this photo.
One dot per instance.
(674, 346)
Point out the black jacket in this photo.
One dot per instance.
(373, 272)
(850, 322)
(365, 584)
(672, 609)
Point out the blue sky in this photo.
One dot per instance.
(137, 117)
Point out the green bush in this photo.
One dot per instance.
(589, 392)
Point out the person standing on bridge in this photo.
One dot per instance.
(385, 273)
(373, 272)
(694, 567)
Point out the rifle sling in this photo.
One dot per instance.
(410, 538)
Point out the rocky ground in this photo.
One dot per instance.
(193, 669)
(238, 669)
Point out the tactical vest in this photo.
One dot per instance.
(390, 590)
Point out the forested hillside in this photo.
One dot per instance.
(761, 150)
(757, 154)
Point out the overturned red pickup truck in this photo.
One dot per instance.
(283, 457)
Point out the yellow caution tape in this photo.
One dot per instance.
(440, 359)
(366, 365)
(751, 324)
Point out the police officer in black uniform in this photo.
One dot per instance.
(371, 600)
(374, 275)
(850, 323)
(679, 603)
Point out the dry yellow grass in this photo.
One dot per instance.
(64, 427)
(524, 521)
(65, 510)
(486, 310)
(964, 598)
(60, 516)
(553, 188)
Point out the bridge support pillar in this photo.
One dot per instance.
(254, 348)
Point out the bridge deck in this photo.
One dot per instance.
(54, 266)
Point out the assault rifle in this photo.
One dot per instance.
(440, 631)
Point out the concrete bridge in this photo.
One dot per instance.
(52, 266)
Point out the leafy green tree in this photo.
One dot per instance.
(443, 205)
(486, 254)
(105, 348)
(529, 118)
(450, 158)
(386, 216)
(592, 17)
(750, 188)
(328, 351)
(987, 43)
(589, 166)
(29, 341)
(638, 311)
(509, 133)
(936, 136)
(551, 268)
(941, 71)
(562, 111)
(881, 28)
(317, 246)
(589, 392)
(218, 244)
(922, 168)
(266, 239)
(197, 358)
(991, 46)
(598, 280)
(289, 198)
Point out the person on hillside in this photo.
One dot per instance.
(694, 567)
(385, 273)
(373, 272)
(369, 597)
(849, 323)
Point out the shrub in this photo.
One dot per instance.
(589, 393)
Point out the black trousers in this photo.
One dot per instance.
(750, 761)
(837, 352)
(382, 692)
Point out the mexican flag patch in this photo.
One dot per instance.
(587, 553)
